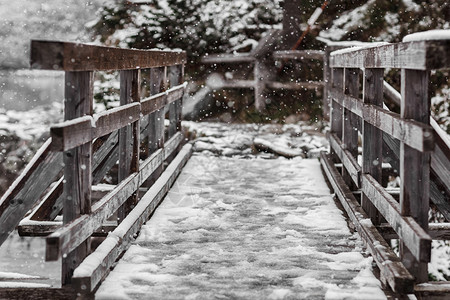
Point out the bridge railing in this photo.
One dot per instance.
(65, 173)
(413, 148)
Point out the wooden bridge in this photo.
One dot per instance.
(63, 176)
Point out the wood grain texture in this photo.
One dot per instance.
(53, 55)
(336, 108)
(392, 270)
(78, 94)
(423, 55)
(372, 136)
(348, 160)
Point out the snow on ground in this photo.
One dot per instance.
(239, 226)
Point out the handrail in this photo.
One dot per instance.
(411, 129)
(84, 147)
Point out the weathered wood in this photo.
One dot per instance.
(73, 133)
(97, 266)
(227, 58)
(415, 134)
(437, 231)
(411, 233)
(174, 107)
(53, 55)
(348, 160)
(336, 108)
(301, 85)
(299, 54)
(261, 74)
(372, 136)
(156, 119)
(350, 121)
(79, 89)
(71, 235)
(392, 270)
(414, 165)
(42, 170)
(129, 141)
(20, 293)
(159, 100)
(420, 55)
(438, 290)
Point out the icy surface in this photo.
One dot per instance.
(234, 228)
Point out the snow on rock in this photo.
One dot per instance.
(243, 139)
(236, 228)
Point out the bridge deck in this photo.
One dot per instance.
(248, 229)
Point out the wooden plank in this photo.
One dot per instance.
(97, 265)
(159, 100)
(372, 137)
(68, 237)
(73, 133)
(301, 85)
(438, 290)
(299, 54)
(349, 162)
(79, 95)
(238, 84)
(411, 233)
(415, 134)
(20, 293)
(437, 231)
(54, 55)
(42, 170)
(227, 58)
(261, 75)
(392, 270)
(420, 55)
(129, 141)
(414, 165)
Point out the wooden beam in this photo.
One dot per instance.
(392, 271)
(40, 172)
(97, 265)
(411, 233)
(227, 58)
(54, 55)
(437, 231)
(299, 54)
(415, 134)
(420, 55)
(276, 85)
(437, 290)
(159, 100)
(349, 162)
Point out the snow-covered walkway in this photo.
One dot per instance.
(234, 228)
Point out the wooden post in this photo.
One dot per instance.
(156, 119)
(78, 95)
(129, 136)
(174, 79)
(350, 121)
(336, 109)
(261, 75)
(372, 137)
(415, 165)
(326, 83)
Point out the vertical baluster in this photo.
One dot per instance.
(174, 79)
(372, 137)
(78, 95)
(415, 165)
(156, 119)
(350, 122)
(129, 136)
(336, 109)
